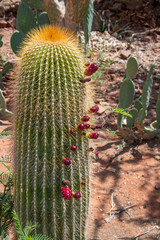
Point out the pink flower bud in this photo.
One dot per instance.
(87, 125)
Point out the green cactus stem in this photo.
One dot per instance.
(50, 101)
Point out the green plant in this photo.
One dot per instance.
(6, 202)
(25, 22)
(3, 107)
(139, 111)
(26, 233)
(50, 102)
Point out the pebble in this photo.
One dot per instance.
(157, 186)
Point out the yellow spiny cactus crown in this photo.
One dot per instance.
(50, 34)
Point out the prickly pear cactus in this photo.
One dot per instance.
(51, 159)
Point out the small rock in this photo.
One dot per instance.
(125, 54)
(156, 85)
(101, 110)
(157, 187)
(12, 23)
(3, 23)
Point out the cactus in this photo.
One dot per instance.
(25, 22)
(127, 89)
(50, 102)
(87, 24)
(146, 93)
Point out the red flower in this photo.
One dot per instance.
(96, 153)
(73, 148)
(66, 193)
(95, 108)
(91, 69)
(77, 195)
(66, 161)
(85, 118)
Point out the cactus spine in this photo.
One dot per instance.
(50, 102)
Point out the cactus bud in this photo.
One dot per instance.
(66, 161)
(73, 148)
(83, 183)
(87, 125)
(65, 182)
(93, 109)
(71, 131)
(81, 126)
(91, 69)
(87, 64)
(84, 80)
(77, 195)
(93, 135)
(85, 118)
(91, 149)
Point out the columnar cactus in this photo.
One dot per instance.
(50, 102)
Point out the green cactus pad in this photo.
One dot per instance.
(141, 115)
(25, 18)
(131, 121)
(16, 41)
(50, 102)
(126, 94)
(138, 104)
(38, 4)
(132, 68)
(43, 19)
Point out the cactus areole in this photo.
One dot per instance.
(50, 101)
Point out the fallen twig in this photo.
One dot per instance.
(113, 212)
(139, 235)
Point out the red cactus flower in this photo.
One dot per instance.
(66, 193)
(73, 148)
(81, 126)
(66, 161)
(91, 69)
(87, 125)
(84, 133)
(71, 131)
(93, 135)
(83, 183)
(95, 108)
(85, 118)
(77, 195)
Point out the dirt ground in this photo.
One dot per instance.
(125, 179)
